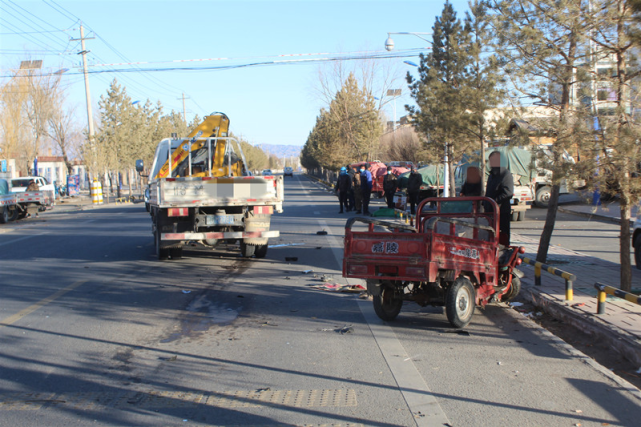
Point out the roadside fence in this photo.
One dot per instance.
(605, 289)
(539, 266)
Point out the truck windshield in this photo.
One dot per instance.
(20, 182)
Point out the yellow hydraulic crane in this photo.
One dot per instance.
(213, 126)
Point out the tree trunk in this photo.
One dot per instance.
(548, 228)
(624, 243)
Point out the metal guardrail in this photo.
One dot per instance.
(569, 277)
(605, 289)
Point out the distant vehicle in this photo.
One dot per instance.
(288, 171)
(267, 172)
(48, 190)
(401, 164)
(636, 241)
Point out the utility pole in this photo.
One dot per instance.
(84, 52)
(184, 109)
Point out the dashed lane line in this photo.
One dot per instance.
(419, 398)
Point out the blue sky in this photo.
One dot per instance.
(271, 104)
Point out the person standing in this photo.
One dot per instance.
(500, 188)
(472, 185)
(343, 185)
(389, 187)
(366, 187)
(358, 192)
(413, 188)
(350, 194)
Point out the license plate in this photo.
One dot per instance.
(221, 220)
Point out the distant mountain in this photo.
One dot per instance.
(281, 151)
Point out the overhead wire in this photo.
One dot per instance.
(31, 25)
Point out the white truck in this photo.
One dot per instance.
(18, 204)
(201, 191)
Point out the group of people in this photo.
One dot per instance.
(354, 188)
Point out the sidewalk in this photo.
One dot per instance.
(619, 327)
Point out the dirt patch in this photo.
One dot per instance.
(604, 355)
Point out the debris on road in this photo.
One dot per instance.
(169, 359)
(291, 258)
(285, 244)
(326, 278)
(345, 330)
(322, 233)
(335, 287)
(578, 304)
(307, 271)
(516, 304)
(186, 291)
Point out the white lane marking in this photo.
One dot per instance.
(415, 391)
(22, 238)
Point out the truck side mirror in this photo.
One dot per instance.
(140, 166)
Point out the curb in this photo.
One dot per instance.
(593, 216)
(623, 342)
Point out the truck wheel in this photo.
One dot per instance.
(176, 253)
(387, 304)
(514, 290)
(521, 216)
(161, 253)
(460, 303)
(4, 215)
(543, 196)
(260, 251)
(247, 250)
(13, 214)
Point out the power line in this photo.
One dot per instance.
(31, 25)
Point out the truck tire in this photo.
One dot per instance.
(543, 196)
(13, 214)
(460, 303)
(247, 250)
(514, 290)
(260, 251)
(521, 216)
(387, 305)
(161, 253)
(176, 253)
(4, 215)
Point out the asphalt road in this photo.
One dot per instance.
(94, 330)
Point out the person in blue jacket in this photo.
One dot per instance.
(366, 187)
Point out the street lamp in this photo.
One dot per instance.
(394, 93)
(389, 43)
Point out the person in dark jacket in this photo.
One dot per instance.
(500, 187)
(413, 188)
(473, 185)
(350, 195)
(343, 185)
(366, 187)
(358, 192)
(389, 187)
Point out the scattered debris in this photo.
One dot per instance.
(499, 363)
(326, 278)
(186, 291)
(287, 278)
(345, 330)
(516, 304)
(339, 288)
(322, 233)
(319, 247)
(285, 244)
(307, 271)
(169, 359)
(291, 258)
(578, 411)
(411, 358)
(578, 304)
(260, 390)
(240, 296)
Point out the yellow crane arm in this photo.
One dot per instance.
(214, 125)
